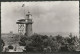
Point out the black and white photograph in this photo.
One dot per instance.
(40, 26)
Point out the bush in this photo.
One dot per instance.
(10, 47)
(37, 43)
(2, 44)
(22, 41)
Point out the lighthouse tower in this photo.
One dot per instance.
(25, 25)
(28, 26)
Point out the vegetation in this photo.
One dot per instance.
(44, 43)
(2, 44)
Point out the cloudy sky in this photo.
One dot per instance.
(56, 16)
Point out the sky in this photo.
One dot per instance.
(54, 16)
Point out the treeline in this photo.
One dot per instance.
(44, 43)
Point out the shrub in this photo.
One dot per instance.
(37, 43)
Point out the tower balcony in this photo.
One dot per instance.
(24, 21)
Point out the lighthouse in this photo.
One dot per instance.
(28, 26)
(25, 25)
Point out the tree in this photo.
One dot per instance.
(44, 37)
(59, 38)
(2, 44)
(22, 41)
(52, 43)
(36, 44)
(72, 43)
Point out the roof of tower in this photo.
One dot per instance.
(21, 20)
